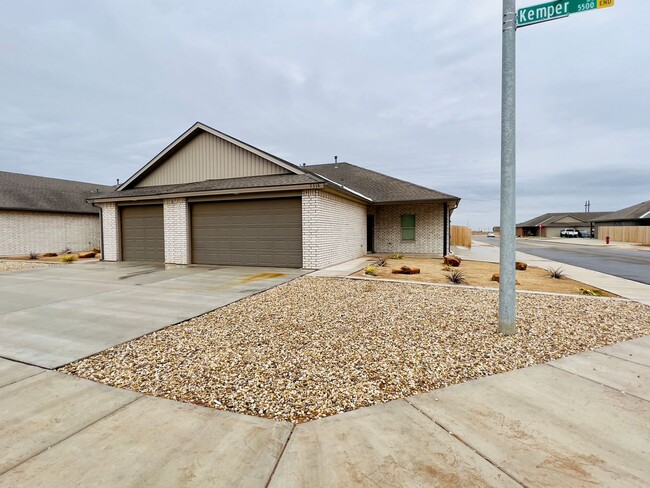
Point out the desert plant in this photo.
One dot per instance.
(371, 270)
(33, 255)
(68, 258)
(65, 251)
(591, 292)
(446, 267)
(397, 256)
(381, 262)
(456, 276)
(555, 273)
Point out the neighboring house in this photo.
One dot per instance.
(39, 214)
(550, 224)
(209, 198)
(631, 224)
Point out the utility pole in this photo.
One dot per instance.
(507, 250)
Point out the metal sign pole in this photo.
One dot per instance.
(508, 172)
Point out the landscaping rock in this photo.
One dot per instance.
(84, 255)
(50, 255)
(495, 277)
(521, 266)
(96, 250)
(406, 270)
(452, 260)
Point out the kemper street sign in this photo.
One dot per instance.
(557, 10)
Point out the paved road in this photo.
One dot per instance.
(630, 264)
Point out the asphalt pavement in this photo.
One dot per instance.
(624, 261)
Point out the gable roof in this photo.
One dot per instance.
(549, 219)
(41, 194)
(376, 187)
(638, 211)
(186, 137)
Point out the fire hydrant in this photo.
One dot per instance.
(606, 239)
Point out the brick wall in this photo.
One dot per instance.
(428, 229)
(25, 232)
(110, 228)
(333, 229)
(176, 231)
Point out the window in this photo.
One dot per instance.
(408, 227)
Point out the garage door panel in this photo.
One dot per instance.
(249, 232)
(142, 232)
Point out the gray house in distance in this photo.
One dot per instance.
(39, 214)
(209, 198)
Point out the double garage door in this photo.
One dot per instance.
(241, 233)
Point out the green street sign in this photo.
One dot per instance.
(557, 9)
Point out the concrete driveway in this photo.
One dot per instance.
(52, 316)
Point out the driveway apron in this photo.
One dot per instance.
(52, 316)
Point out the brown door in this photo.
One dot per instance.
(248, 233)
(142, 233)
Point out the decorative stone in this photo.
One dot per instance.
(521, 266)
(50, 255)
(452, 260)
(495, 277)
(406, 270)
(83, 255)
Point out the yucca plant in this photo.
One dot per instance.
(456, 276)
(555, 273)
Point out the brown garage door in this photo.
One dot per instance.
(142, 233)
(248, 233)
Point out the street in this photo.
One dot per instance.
(631, 264)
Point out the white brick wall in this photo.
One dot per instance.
(25, 232)
(176, 231)
(429, 224)
(333, 229)
(110, 228)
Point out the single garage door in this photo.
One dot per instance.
(248, 233)
(142, 233)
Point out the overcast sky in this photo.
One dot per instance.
(91, 91)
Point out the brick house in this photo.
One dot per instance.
(39, 214)
(209, 198)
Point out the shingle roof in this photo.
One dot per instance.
(551, 218)
(377, 187)
(638, 211)
(41, 194)
(215, 185)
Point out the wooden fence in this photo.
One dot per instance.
(461, 236)
(640, 234)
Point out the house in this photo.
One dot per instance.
(209, 198)
(550, 224)
(39, 214)
(631, 224)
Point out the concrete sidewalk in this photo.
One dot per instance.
(579, 421)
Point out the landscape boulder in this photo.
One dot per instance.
(50, 255)
(451, 260)
(495, 277)
(521, 266)
(406, 270)
(83, 255)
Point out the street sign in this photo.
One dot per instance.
(557, 10)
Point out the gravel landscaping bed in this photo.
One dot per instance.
(20, 265)
(319, 346)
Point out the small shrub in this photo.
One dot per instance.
(371, 270)
(397, 256)
(446, 267)
(33, 255)
(456, 276)
(381, 262)
(555, 273)
(68, 258)
(590, 292)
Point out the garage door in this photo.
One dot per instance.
(248, 233)
(142, 233)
